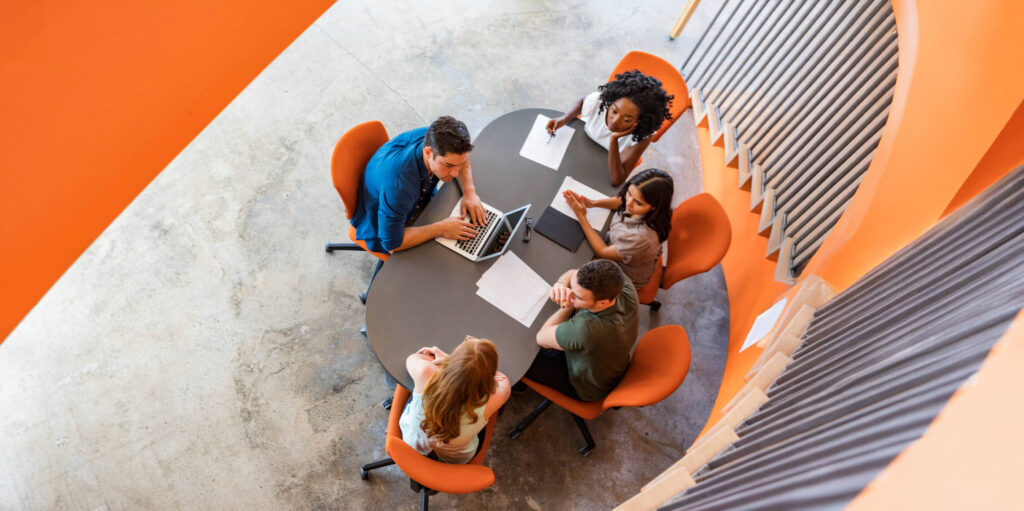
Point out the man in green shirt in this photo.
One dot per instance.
(586, 344)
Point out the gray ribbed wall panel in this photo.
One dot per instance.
(877, 364)
(805, 86)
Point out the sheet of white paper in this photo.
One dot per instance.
(763, 324)
(514, 288)
(535, 310)
(500, 300)
(510, 276)
(596, 216)
(544, 149)
(530, 317)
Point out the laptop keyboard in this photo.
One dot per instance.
(471, 245)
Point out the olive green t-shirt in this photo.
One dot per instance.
(597, 346)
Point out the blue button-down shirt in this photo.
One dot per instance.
(395, 187)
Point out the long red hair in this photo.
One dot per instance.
(464, 382)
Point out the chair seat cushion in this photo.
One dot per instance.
(361, 243)
(436, 475)
(649, 292)
(585, 409)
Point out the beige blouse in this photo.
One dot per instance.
(637, 245)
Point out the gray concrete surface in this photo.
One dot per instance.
(204, 352)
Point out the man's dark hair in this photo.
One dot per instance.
(602, 277)
(448, 135)
(646, 92)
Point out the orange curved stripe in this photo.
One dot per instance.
(97, 98)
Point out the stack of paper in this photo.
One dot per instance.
(543, 148)
(514, 288)
(596, 216)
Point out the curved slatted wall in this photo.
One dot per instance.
(797, 93)
(877, 364)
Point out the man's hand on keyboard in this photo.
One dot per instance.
(456, 228)
(473, 209)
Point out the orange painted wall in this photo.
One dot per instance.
(97, 97)
(958, 86)
(1006, 153)
(749, 276)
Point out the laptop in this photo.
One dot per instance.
(492, 238)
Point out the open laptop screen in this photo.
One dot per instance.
(505, 228)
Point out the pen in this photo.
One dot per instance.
(551, 136)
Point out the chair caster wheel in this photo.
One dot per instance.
(585, 450)
(386, 404)
(362, 298)
(655, 305)
(514, 433)
(363, 474)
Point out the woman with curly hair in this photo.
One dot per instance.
(642, 219)
(453, 398)
(621, 116)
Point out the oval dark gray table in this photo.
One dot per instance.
(426, 296)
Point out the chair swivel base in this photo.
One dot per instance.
(376, 270)
(514, 432)
(364, 471)
(580, 423)
(331, 247)
(425, 493)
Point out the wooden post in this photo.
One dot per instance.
(683, 18)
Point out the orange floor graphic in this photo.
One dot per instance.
(97, 98)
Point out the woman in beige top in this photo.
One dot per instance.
(641, 223)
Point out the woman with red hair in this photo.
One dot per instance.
(453, 398)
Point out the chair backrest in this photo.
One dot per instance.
(659, 366)
(436, 475)
(351, 154)
(671, 80)
(700, 237)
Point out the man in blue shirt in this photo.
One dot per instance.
(401, 178)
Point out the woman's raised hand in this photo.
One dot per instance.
(578, 203)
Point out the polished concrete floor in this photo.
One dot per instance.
(204, 352)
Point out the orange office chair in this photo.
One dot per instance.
(658, 368)
(671, 81)
(351, 154)
(428, 476)
(700, 237)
